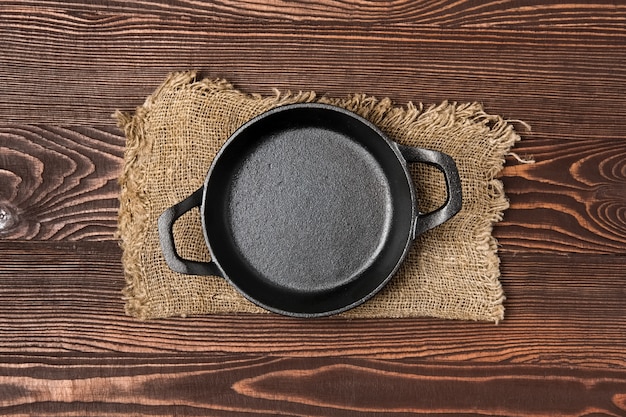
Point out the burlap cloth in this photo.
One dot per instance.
(451, 271)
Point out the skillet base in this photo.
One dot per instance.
(308, 209)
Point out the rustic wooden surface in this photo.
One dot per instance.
(66, 347)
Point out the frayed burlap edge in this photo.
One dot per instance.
(132, 213)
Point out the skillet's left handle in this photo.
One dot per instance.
(454, 199)
(168, 246)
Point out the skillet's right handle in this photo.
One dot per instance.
(454, 199)
(168, 246)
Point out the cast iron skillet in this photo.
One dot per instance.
(308, 210)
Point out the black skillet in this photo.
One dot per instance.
(308, 210)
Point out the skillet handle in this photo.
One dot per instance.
(445, 164)
(166, 238)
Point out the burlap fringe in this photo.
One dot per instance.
(132, 213)
(133, 206)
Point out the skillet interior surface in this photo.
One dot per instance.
(308, 210)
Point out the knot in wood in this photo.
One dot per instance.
(8, 217)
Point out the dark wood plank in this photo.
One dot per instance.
(554, 77)
(561, 310)
(223, 385)
(443, 14)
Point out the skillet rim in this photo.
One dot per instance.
(399, 158)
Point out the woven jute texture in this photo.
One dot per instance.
(451, 271)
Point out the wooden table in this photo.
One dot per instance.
(66, 346)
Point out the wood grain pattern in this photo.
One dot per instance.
(439, 13)
(546, 75)
(573, 199)
(66, 348)
(227, 385)
(59, 183)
